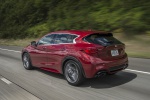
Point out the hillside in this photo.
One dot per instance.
(33, 18)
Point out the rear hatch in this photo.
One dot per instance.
(112, 48)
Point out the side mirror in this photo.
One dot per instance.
(33, 43)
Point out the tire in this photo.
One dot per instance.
(73, 73)
(27, 61)
(113, 73)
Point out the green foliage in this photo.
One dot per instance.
(33, 18)
(38, 30)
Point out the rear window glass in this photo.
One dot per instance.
(102, 39)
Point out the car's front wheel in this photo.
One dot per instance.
(26, 61)
(73, 73)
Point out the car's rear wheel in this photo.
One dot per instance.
(73, 73)
(26, 61)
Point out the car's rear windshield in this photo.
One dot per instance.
(102, 39)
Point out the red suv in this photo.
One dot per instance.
(76, 54)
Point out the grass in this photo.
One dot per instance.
(16, 42)
(136, 46)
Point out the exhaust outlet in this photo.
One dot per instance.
(100, 74)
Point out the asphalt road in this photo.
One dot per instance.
(16, 83)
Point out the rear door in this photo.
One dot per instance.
(59, 50)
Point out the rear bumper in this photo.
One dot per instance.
(97, 65)
(117, 68)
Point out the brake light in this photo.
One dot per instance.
(90, 50)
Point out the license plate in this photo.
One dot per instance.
(114, 52)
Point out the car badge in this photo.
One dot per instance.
(115, 45)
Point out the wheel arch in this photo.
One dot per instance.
(74, 59)
(25, 51)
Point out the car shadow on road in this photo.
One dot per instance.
(110, 81)
(56, 75)
(107, 81)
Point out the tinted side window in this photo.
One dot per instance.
(71, 38)
(102, 39)
(64, 38)
(49, 39)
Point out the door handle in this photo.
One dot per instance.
(62, 49)
(44, 47)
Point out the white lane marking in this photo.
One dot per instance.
(5, 80)
(138, 71)
(10, 50)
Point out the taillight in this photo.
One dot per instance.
(90, 50)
